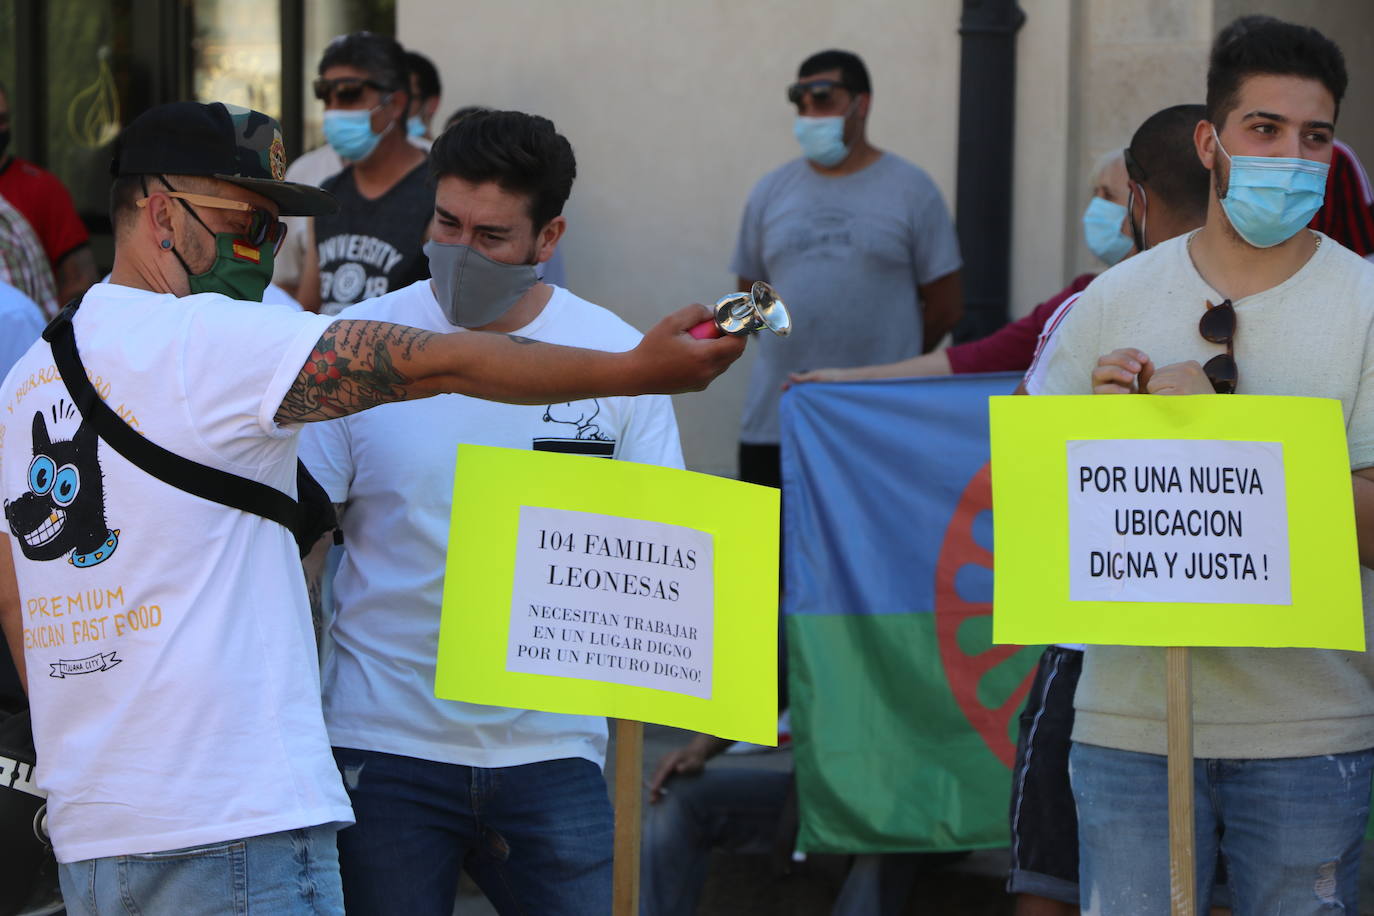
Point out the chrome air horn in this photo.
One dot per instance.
(741, 314)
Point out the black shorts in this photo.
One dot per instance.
(1044, 822)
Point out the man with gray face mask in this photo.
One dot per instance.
(420, 769)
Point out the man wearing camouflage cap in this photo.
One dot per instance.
(167, 638)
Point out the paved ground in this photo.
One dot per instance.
(752, 885)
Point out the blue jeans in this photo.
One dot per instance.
(293, 873)
(536, 838)
(1290, 829)
(736, 810)
(740, 811)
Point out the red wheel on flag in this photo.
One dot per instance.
(971, 660)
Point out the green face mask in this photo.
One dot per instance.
(239, 271)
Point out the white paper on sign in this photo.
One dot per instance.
(603, 598)
(1175, 520)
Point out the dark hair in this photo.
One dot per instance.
(426, 77)
(124, 190)
(522, 153)
(1263, 45)
(464, 112)
(1162, 157)
(381, 57)
(853, 73)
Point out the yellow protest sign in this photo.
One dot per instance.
(594, 587)
(1174, 521)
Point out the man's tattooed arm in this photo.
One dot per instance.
(361, 364)
(355, 365)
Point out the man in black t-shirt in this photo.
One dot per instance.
(372, 245)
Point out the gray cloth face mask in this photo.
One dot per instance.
(473, 290)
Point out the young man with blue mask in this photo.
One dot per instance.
(424, 98)
(514, 797)
(372, 245)
(1283, 738)
(857, 240)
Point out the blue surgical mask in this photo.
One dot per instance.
(1269, 198)
(1102, 230)
(414, 126)
(351, 133)
(821, 139)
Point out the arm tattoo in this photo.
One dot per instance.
(353, 367)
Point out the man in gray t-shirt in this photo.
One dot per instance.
(857, 241)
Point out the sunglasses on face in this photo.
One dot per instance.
(263, 226)
(1218, 325)
(821, 92)
(346, 90)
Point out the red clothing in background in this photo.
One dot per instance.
(1346, 213)
(1011, 348)
(45, 203)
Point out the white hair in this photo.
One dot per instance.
(1103, 161)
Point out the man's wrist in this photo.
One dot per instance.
(631, 373)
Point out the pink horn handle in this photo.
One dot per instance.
(707, 330)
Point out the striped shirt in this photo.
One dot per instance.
(23, 264)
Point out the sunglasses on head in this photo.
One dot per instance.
(263, 227)
(346, 90)
(1218, 325)
(819, 90)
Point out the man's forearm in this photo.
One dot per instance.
(361, 364)
(942, 306)
(926, 364)
(1363, 487)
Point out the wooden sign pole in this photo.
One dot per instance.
(629, 774)
(1182, 851)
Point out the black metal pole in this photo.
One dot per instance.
(28, 95)
(292, 75)
(987, 122)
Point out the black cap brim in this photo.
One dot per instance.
(292, 199)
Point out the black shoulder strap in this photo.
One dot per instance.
(197, 479)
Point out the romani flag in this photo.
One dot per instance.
(903, 712)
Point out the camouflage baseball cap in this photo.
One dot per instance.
(218, 140)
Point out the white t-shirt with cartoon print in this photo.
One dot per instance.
(167, 638)
(393, 468)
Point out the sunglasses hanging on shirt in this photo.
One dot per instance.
(1218, 325)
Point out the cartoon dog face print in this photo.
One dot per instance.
(577, 414)
(63, 511)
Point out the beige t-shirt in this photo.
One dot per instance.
(1313, 336)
